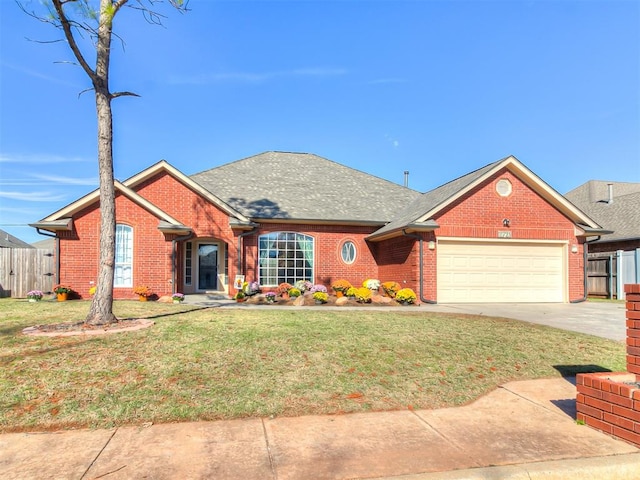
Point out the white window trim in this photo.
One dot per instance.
(124, 281)
(342, 250)
(290, 279)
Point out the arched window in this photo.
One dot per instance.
(123, 274)
(285, 257)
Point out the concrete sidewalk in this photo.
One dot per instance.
(522, 430)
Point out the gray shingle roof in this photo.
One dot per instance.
(303, 186)
(431, 199)
(622, 215)
(9, 241)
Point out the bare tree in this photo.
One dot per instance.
(77, 18)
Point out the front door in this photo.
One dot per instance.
(207, 266)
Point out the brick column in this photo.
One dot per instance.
(610, 401)
(633, 328)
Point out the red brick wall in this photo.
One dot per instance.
(399, 260)
(478, 214)
(328, 240)
(152, 249)
(187, 206)
(609, 402)
(79, 250)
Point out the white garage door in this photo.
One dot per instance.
(478, 272)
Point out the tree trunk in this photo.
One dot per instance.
(102, 304)
(101, 310)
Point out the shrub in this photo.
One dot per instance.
(142, 290)
(303, 285)
(61, 289)
(283, 288)
(294, 292)
(250, 288)
(406, 295)
(35, 295)
(391, 288)
(341, 286)
(371, 283)
(363, 295)
(321, 297)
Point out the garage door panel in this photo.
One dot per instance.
(505, 272)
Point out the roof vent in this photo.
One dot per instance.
(610, 198)
(406, 178)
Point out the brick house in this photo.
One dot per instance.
(499, 233)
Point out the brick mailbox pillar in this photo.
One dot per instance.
(610, 402)
(633, 328)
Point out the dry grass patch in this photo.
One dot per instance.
(229, 363)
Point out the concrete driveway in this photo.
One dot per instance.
(603, 319)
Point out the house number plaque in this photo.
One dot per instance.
(504, 233)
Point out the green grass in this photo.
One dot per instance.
(232, 363)
(605, 300)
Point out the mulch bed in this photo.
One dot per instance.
(79, 328)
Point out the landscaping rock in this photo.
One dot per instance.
(342, 301)
(380, 299)
(165, 299)
(299, 302)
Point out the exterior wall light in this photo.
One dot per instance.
(432, 245)
(506, 222)
(574, 248)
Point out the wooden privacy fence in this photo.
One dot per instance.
(608, 272)
(25, 269)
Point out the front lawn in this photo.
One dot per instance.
(218, 363)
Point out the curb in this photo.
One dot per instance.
(611, 467)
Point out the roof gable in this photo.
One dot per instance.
(419, 214)
(164, 166)
(62, 219)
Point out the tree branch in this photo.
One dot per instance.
(124, 94)
(68, 33)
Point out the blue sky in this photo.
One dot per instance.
(439, 88)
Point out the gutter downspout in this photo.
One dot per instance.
(174, 257)
(585, 260)
(421, 262)
(56, 251)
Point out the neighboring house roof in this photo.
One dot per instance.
(304, 187)
(9, 241)
(418, 215)
(46, 244)
(620, 212)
